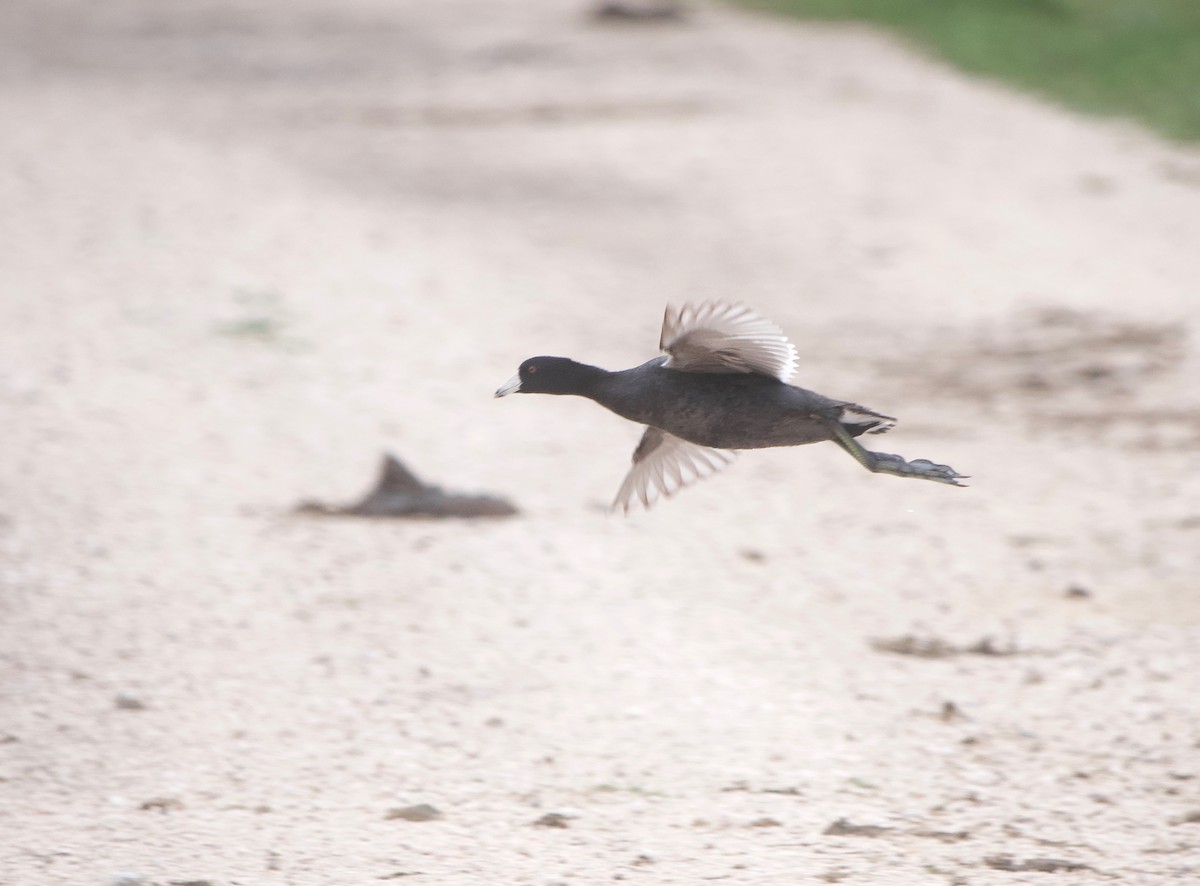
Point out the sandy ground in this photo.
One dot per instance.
(245, 248)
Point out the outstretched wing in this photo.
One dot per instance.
(662, 464)
(722, 337)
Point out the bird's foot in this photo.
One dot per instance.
(922, 468)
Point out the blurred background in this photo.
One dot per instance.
(1119, 57)
(246, 247)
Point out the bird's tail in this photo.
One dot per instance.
(860, 420)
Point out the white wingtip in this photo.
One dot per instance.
(719, 336)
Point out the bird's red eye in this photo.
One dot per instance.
(532, 370)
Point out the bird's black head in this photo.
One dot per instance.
(549, 375)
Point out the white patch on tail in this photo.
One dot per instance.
(855, 416)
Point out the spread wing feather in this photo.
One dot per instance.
(723, 337)
(663, 464)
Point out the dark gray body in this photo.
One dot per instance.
(721, 410)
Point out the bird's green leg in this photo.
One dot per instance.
(886, 463)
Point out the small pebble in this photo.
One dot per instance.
(1006, 862)
(950, 712)
(553, 820)
(844, 828)
(127, 702)
(161, 804)
(419, 812)
(126, 879)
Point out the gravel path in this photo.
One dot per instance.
(247, 248)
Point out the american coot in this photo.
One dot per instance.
(722, 385)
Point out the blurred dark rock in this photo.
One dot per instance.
(399, 493)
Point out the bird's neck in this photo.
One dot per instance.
(583, 380)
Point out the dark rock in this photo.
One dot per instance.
(399, 493)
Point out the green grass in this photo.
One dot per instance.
(1129, 58)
